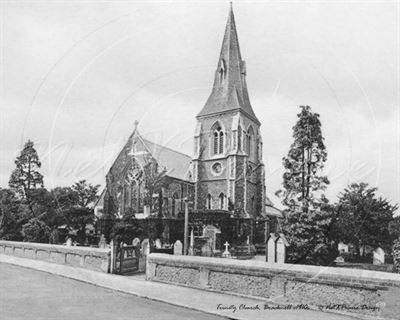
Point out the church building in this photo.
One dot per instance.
(224, 179)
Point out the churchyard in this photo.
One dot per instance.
(206, 221)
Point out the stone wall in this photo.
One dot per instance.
(325, 288)
(82, 257)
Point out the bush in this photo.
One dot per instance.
(396, 255)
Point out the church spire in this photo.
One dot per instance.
(229, 90)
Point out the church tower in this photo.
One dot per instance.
(227, 165)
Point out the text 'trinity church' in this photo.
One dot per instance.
(223, 182)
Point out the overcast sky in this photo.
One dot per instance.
(75, 75)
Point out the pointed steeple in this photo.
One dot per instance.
(229, 90)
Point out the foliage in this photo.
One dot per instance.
(396, 255)
(311, 237)
(36, 230)
(26, 176)
(127, 228)
(305, 160)
(154, 180)
(308, 218)
(364, 218)
(40, 219)
(86, 193)
(77, 218)
(11, 220)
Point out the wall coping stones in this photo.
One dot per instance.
(95, 259)
(366, 279)
(56, 248)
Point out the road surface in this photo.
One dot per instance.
(31, 294)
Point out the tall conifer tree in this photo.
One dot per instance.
(307, 218)
(26, 176)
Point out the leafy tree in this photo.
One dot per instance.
(64, 197)
(26, 176)
(154, 180)
(366, 219)
(77, 219)
(127, 228)
(36, 230)
(11, 220)
(86, 193)
(308, 217)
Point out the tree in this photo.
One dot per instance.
(154, 180)
(86, 193)
(11, 220)
(308, 217)
(302, 179)
(366, 219)
(26, 176)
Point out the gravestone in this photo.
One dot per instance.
(102, 242)
(213, 233)
(206, 249)
(271, 248)
(226, 253)
(178, 248)
(342, 247)
(191, 246)
(145, 247)
(281, 245)
(157, 243)
(136, 242)
(339, 259)
(378, 256)
(69, 242)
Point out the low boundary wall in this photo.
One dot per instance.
(369, 293)
(83, 257)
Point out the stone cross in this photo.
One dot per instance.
(226, 245)
(226, 253)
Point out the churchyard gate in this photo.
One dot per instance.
(125, 258)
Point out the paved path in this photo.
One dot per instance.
(190, 298)
(31, 294)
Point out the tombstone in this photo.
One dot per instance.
(211, 232)
(136, 242)
(191, 246)
(102, 242)
(281, 245)
(69, 242)
(226, 253)
(206, 249)
(378, 256)
(157, 244)
(178, 248)
(339, 259)
(145, 247)
(271, 248)
(343, 248)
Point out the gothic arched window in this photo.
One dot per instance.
(218, 139)
(250, 142)
(221, 201)
(174, 206)
(209, 201)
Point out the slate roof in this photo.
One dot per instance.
(176, 163)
